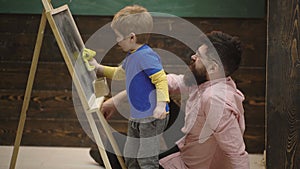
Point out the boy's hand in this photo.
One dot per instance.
(160, 110)
(88, 55)
(93, 62)
(98, 67)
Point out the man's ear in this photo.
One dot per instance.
(213, 68)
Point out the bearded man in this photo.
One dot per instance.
(214, 114)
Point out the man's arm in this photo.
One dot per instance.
(176, 84)
(109, 107)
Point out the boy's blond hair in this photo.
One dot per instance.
(133, 19)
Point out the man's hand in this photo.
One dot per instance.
(160, 110)
(108, 108)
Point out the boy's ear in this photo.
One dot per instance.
(132, 35)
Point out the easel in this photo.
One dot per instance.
(90, 106)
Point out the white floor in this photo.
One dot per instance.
(67, 158)
(48, 158)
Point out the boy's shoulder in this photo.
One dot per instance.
(147, 53)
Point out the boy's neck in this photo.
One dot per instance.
(136, 47)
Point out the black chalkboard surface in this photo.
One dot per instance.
(181, 8)
(74, 46)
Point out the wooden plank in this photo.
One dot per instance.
(283, 76)
(56, 132)
(252, 33)
(51, 132)
(9, 21)
(43, 132)
(59, 105)
(49, 76)
(250, 80)
(255, 111)
(52, 93)
(255, 139)
(43, 104)
(17, 42)
(19, 47)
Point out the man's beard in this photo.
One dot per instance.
(194, 76)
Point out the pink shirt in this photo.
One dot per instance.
(214, 127)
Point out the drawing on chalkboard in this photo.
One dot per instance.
(74, 45)
(67, 32)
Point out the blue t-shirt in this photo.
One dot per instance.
(141, 91)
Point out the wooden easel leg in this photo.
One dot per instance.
(98, 140)
(111, 138)
(27, 96)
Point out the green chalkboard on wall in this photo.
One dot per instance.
(181, 8)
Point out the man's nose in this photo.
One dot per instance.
(194, 57)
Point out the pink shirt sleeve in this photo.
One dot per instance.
(176, 84)
(230, 139)
(227, 127)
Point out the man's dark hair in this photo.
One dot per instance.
(228, 48)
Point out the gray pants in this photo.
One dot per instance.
(143, 142)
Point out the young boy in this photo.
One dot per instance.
(146, 86)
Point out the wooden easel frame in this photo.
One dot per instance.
(90, 106)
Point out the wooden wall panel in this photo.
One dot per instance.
(283, 85)
(49, 76)
(50, 104)
(45, 132)
(51, 101)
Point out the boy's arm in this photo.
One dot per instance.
(159, 79)
(116, 73)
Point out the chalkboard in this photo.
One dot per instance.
(181, 8)
(74, 46)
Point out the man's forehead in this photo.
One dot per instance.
(202, 49)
